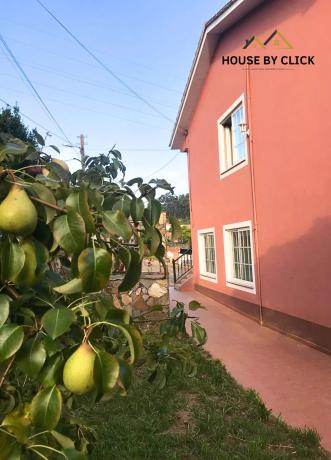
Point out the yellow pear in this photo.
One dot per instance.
(78, 370)
(61, 163)
(18, 214)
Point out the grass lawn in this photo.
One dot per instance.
(208, 416)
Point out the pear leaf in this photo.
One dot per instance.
(12, 260)
(136, 180)
(46, 408)
(132, 274)
(115, 222)
(31, 357)
(10, 449)
(125, 375)
(153, 239)
(137, 209)
(45, 194)
(106, 372)
(125, 256)
(54, 147)
(11, 339)
(198, 333)
(74, 454)
(51, 373)
(94, 267)
(195, 305)
(42, 257)
(137, 341)
(64, 441)
(4, 308)
(57, 321)
(39, 138)
(69, 232)
(152, 212)
(77, 201)
(123, 204)
(73, 286)
(14, 146)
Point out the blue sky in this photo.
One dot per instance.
(149, 44)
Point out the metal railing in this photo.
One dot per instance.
(182, 265)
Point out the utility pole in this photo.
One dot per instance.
(82, 150)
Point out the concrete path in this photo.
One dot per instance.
(293, 379)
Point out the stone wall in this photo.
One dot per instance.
(151, 290)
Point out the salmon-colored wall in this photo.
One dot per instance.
(290, 127)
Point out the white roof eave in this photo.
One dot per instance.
(231, 13)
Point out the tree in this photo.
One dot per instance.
(61, 336)
(177, 205)
(11, 123)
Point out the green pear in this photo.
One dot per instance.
(27, 276)
(18, 214)
(78, 370)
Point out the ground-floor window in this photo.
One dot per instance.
(207, 253)
(238, 252)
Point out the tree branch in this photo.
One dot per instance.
(7, 370)
(49, 205)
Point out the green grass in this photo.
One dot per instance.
(207, 417)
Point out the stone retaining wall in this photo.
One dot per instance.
(151, 290)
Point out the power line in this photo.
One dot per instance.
(162, 167)
(11, 54)
(73, 77)
(71, 59)
(15, 68)
(33, 121)
(88, 109)
(122, 149)
(104, 66)
(83, 96)
(114, 56)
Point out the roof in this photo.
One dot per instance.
(231, 13)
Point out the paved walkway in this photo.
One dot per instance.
(294, 380)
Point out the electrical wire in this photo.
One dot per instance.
(104, 66)
(84, 96)
(58, 37)
(162, 167)
(33, 121)
(73, 77)
(71, 59)
(88, 110)
(34, 90)
(123, 149)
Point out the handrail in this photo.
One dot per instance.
(182, 265)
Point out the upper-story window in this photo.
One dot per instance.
(232, 138)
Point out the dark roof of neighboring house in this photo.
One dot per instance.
(231, 13)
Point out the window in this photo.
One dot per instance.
(207, 254)
(232, 141)
(238, 250)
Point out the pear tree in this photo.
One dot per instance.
(62, 236)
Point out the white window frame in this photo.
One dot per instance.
(201, 250)
(224, 171)
(231, 281)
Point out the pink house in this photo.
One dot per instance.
(255, 123)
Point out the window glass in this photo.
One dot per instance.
(209, 245)
(242, 254)
(238, 141)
